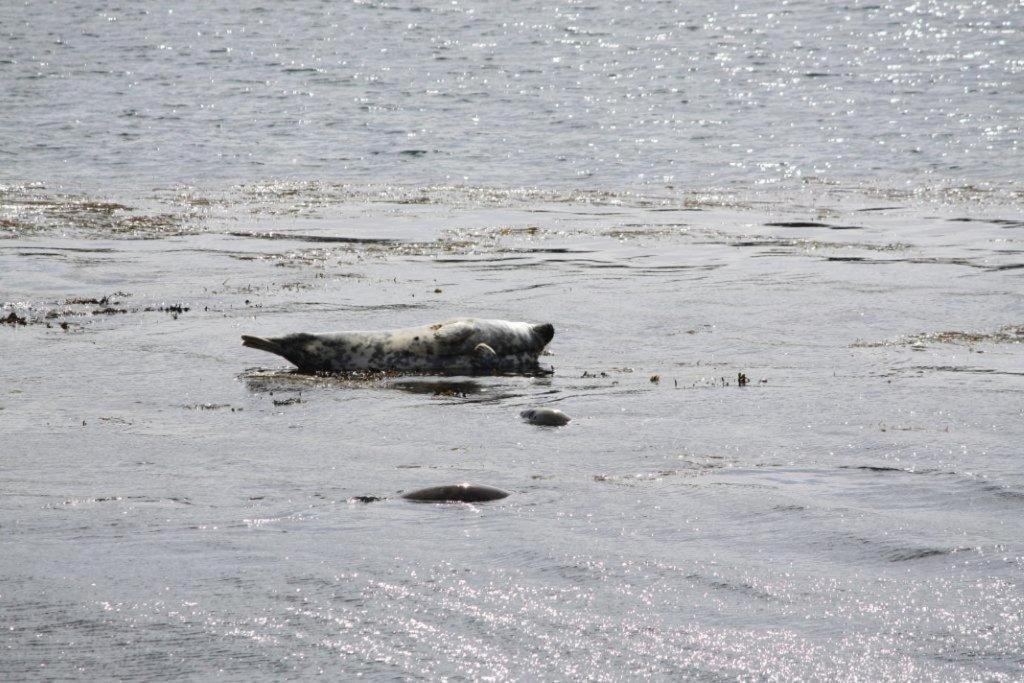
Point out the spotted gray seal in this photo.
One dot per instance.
(461, 346)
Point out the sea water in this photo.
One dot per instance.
(781, 246)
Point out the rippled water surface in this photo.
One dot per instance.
(576, 93)
(782, 246)
(177, 505)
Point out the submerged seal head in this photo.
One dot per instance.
(545, 417)
(457, 346)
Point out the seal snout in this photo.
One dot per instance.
(545, 331)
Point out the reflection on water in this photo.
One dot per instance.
(600, 94)
(498, 388)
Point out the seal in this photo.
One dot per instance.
(461, 346)
(545, 417)
(450, 493)
(456, 493)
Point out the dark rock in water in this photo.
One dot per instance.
(13, 319)
(545, 417)
(456, 493)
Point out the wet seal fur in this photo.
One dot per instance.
(461, 346)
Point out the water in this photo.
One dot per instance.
(173, 505)
(583, 94)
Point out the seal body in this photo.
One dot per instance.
(461, 346)
(456, 493)
(545, 417)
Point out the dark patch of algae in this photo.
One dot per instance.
(28, 212)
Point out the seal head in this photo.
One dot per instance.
(545, 417)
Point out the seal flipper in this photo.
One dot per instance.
(304, 350)
(484, 351)
(454, 332)
(262, 343)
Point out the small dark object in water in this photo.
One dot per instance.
(811, 224)
(13, 319)
(741, 379)
(80, 301)
(797, 224)
(364, 499)
(545, 417)
(456, 493)
(175, 309)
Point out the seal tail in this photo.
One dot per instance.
(263, 344)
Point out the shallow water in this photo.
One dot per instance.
(781, 246)
(177, 505)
